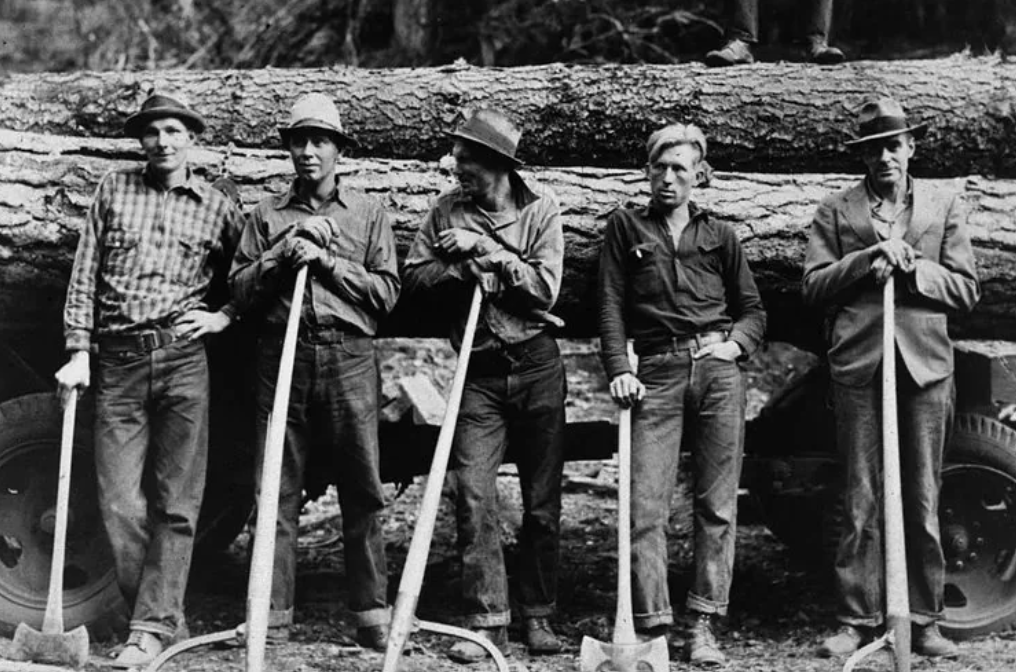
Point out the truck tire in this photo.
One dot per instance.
(978, 522)
(29, 454)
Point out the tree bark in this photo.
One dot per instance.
(771, 118)
(47, 182)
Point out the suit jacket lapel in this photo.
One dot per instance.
(920, 215)
(859, 214)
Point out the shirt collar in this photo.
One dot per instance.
(191, 184)
(293, 194)
(695, 213)
(874, 198)
(521, 192)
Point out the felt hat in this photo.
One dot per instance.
(493, 130)
(159, 106)
(316, 111)
(883, 118)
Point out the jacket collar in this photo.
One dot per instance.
(859, 215)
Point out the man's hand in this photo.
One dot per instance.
(897, 253)
(490, 283)
(881, 269)
(317, 229)
(305, 253)
(197, 323)
(627, 390)
(458, 241)
(75, 373)
(728, 351)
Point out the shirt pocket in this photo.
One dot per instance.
(703, 271)
(644, 262)
(193, 251)
(120, 250)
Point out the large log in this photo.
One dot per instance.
(46, 183)
(773, 118)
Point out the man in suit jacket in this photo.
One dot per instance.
(889, 223)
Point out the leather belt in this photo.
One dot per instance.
(696, 342)
(139, 341)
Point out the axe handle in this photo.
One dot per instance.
(624, 622)
(259, 587)
(897, 599)
(53, 621)
(419, 548)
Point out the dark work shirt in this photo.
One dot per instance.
(652, 292)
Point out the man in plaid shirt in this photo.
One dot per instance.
(155, 238)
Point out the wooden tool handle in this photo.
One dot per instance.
(53, 621)
(624, 622)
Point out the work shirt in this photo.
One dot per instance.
(360, 282)
(890, 219)
(653, 291)
(147, 255)
(526, 250)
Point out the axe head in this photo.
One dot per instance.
(650, 656)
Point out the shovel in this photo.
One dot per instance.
(416, 559)
(53, 645)
(625, 653)
(259, 587)
(897, 612)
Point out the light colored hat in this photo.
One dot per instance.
(492, 129)
(316, 110)
(883, 118)
(160, 106)
(675, 134)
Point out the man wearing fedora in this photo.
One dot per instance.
(345, 240)
(504, 233)
(677, 282)
(154, 239)
(890, 224)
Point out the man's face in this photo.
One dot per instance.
(165, 143)
(887, 159)
(672, 175)
(475, 179)
(315, 154)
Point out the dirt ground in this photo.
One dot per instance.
(780, 609)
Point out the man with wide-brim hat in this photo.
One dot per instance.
(154, 240)
(504, 233)
(346, 241)
(890, 224)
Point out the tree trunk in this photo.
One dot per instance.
(772, 118)
(47, 182)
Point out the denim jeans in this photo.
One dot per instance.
(743, 19)
(702, 400)
(925, 418)
(516, 399)
(333, 405)
(151, 454)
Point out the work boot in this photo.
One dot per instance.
(651, 633)
(470, 652)
(846, 640)
(929, 641)
(540, 638)
(373, 637)
(703, 651)
(734, 52)
(276, 635)
(142, 648)
(819, 51)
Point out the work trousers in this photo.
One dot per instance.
(702, 400)
(513, 397)
(333, 405)
(742, 23)
(151, 455)
(925, 419)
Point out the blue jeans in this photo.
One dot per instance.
(704, 401)
(151, 453)
(925, 418)
(743, 19)
(333, 406)
(515, 399)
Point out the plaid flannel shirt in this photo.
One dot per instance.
(147, 255)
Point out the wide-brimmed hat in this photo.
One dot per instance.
(159, 106)
(882, 118)
(316, 110)
(493, 130)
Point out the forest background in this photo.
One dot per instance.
(69, 35)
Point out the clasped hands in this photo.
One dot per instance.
(890, 255)
(307, 243)
(477, 249)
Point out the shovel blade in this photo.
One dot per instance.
(650, 656)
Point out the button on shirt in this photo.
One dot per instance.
(360, 284)
(527, 253)
(653, 291)
(147, 255)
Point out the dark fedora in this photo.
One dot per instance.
(883, 118)
(316, 111)
(159, 106)
(493, 130)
